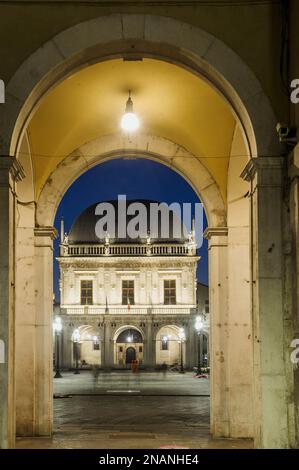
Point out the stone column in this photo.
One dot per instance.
(44, 237)
(271, 398)
(150, 346)
(10, 172)
(67, 345)
(191, 345)
(218, 285)
(108, 353)
(102, 343)
(200, 349)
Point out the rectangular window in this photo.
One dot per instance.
(86, 293)
(207, 307)
(96, 346)
(128, 292)
(169, 292)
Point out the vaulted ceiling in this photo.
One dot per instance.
(170, 101)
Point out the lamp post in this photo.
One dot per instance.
(76, 340)
(57, 327)
(198, 328)
(182, 338)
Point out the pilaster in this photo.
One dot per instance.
(44, 237)
(220, 421)
(10, 172)
(271, 395)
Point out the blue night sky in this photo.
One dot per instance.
(137, 179)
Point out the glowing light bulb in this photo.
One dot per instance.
(129, 121)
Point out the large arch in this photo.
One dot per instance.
(203, 54)
(147, 35)
(172, 353)
(125, 327)
(146, 146)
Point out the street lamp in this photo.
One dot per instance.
(57, 327)
(76, 340)
(182, 339)
(198, 328)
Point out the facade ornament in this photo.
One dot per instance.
(107, 243)
(191, 245)
(148, 244)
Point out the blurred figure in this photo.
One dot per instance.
(95, 372)
(134, 366)
(164, 369)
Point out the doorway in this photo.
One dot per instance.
(130, 355)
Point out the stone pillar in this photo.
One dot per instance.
(200, 349)
(103, 344)
(294, 276)
(108, 353)
(240, 346)
(218, 285)
(43, 330)
(25, 320)
(191, 345)
(149, 346)
(10, 172)
(271, 398)
(67, 345)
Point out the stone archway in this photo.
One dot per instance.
(167, 346)
(201, 53)
(89, 355)
(169, 39)
(223, 420)
(128, 337)
(145, 146)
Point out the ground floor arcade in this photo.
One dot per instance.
(115, 341)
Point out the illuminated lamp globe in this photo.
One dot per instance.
(129, 121)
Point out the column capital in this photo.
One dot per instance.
(256, 164)
(12, 166)
(215, 232)
(46, 232)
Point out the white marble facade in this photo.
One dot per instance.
(108, 312)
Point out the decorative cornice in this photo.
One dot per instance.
(128, 263)
(261, 163)
(12, 166)
(46, 232)
(215, 232)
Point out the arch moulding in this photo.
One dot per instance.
(127, 327)
(154, 36)
(143, 146)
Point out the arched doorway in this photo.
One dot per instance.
(128, 346)
(130, 355)
(194, 171)
(168, 346)
(89, 351)
(220, 261)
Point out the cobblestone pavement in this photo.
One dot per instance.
(122, 410)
